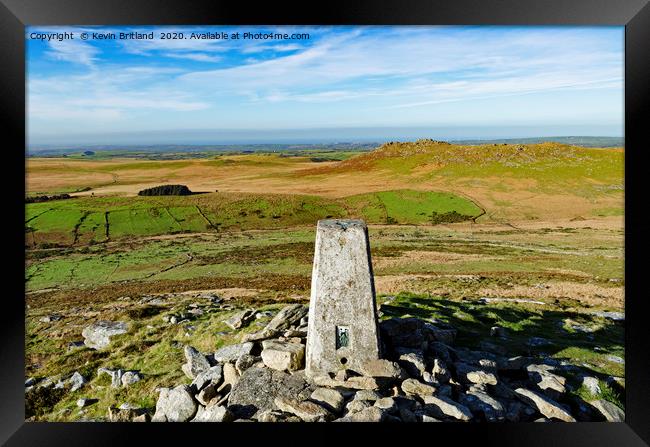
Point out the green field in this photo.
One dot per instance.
(591, 260)
(97, 219)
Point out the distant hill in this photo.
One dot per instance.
(511, 181)
(191, 150)
(574, 141)
(196, 150)
(496, 158)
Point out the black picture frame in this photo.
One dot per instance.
(633, 14)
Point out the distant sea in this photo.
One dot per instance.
(44, 150)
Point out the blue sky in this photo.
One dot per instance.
(341, 84)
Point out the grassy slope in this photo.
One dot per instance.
(546, 162)
(511, 181)
(83, 220)
(575, 264)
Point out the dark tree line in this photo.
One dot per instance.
(166, 190)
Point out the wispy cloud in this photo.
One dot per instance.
(260, 48)
(200, 57)
(169, 46)
(74, 51)
(399, 59)
(341, 75)
(108, 94)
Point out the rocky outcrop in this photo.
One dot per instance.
(175, 405)
(98, 335)
(121, 378)
(196, 362)
(232, 352)
(213, 413)
(241, 319)
(212, 375)
(420, 379)
(608, 410)
(546, 406)
(444, 407)
(284, 319)
(329, 398)
(258, 388)
(306, 410)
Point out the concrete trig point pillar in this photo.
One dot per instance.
(342, 331)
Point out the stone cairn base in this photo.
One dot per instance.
(422, 377)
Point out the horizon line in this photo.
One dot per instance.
(108, 146)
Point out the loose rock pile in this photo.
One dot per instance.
(422, 378)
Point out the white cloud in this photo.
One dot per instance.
(492, 64)
(138, 101)
(174, 47)
(109, 94)
(74, 51)
(351, 69)
(496, 89)
(199, 57)
(43, 108)
(280, 48)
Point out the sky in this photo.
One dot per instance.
(335, 83)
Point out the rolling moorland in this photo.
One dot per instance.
(536, 229)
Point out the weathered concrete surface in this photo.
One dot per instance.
(342, 330)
